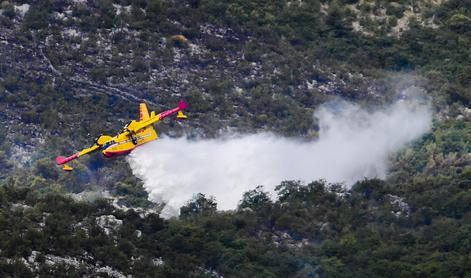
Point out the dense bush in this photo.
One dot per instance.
(416, 223)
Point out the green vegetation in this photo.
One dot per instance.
(71, 70)
(313, 229)
(414, 224)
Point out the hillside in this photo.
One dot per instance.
(71, 70)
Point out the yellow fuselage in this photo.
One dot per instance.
(134, 134)
(124, 142)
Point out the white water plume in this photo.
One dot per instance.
(353, 144)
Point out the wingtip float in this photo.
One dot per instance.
(135, 134)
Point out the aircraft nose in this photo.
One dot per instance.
(108, 154)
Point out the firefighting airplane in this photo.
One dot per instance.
(135, 134)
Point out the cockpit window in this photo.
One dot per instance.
(107, 144)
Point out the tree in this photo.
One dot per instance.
(8, 9)
(460, 23)
(255, 198)
(199, 205)
(37, 17)
(370, 188)
(46, 168)
(337, 25)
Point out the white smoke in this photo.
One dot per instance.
(353, 144)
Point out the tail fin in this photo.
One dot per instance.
(60, 160)
(182, 105)
(143, 112)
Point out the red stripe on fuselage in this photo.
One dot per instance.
(116, 153)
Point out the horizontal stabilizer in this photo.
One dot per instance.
(181, 116)
(136, 126)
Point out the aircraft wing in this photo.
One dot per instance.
(136, 126)
(62, 160)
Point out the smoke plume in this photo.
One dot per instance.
(353, 144)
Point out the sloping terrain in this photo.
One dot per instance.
(73, 69)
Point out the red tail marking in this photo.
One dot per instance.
(182, 105)
(62, 160)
